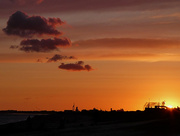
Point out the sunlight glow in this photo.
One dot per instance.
(170, 106)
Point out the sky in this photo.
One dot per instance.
(92, 53)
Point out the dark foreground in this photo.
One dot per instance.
(98, 123)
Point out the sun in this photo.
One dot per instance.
(170, 106)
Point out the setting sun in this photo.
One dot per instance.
(170, 106)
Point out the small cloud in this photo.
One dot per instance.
(88, 67)
(78, 66)
(14, 47)
(58, 57)
(44, 45)
(39, 60)
(22, 25)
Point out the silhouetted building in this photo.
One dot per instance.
(152, 106)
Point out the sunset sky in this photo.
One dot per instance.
(94, 53)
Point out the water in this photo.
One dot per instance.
(11, 118)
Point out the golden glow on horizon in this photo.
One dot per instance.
(171, 104)
(114, 85)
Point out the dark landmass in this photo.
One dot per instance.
(151, 122)
(29, 112)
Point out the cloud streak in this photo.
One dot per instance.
(78, 66)
(20, 24)
(114, 43)
(113, 5)
(22, 2)
(65, 6)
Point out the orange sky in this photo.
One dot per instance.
(121, 55)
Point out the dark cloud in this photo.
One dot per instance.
(58, 57)
(22, 25)
(14, 47)
(88, 67)
(78, 66)
(44, 45)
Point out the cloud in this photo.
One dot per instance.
(69, 6)
(44, 45)
(58, 57)
(115, 43)
(39, 60)
(14, 47)
(78, 66)
(140, 49)
(133, 56)
(107, 5)
(22, 25)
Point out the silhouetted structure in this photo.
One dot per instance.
(154, 106)
(77, 110)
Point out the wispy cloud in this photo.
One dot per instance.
(114, 5)
(112, 43)
(22, 2)
(106, 5)
(90, 5)
(176, 15)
